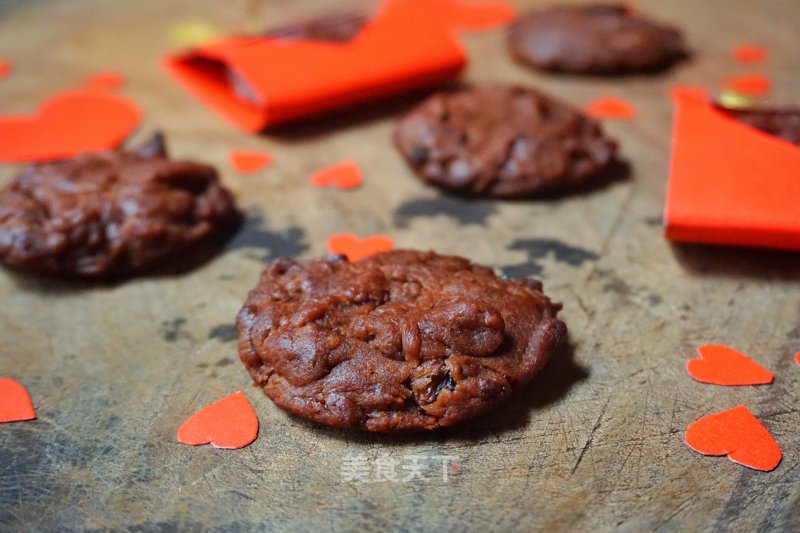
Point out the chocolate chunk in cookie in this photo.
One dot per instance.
(593, 39)
(336, 27)
(398, 341)
(110, 213)
(502, 142)
(780, 122)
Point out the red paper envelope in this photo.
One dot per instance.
(258, 82)
(730, 183)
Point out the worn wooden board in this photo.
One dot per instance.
(596, 444)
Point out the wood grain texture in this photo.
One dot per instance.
(597, 442)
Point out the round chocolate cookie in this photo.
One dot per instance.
(337, 27)
(398, 341)
(780, 122)
(110, 213)
(593, 39)
(502, 142)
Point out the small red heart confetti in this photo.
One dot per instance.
(752, 84)
(15, 402)
(355, 248)
(747, 54)
(344, 175)
(102, 81)
(797, 358)
(68, 124)
(737, 434)
(228, 423)
(720, 365)
(610, 107)
(249, 161)
(5, 68)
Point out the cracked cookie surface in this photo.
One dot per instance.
(398, 341)
(502, 142)
(110, 213)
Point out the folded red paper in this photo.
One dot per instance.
(257, 82)
(729, 183)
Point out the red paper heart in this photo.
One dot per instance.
(5, 68)
(749, 53)
(15, 402)
(610, 107)
(102, 81)
(345, 175)
(752, 84)
(720, 365)
(248, 161)
(228, 423)
(68, 124)
(737, 434)
(797, 358)
(355, 248)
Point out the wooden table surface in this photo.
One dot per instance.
(597, 442)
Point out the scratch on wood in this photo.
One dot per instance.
(615, 226)
(243, 495)
(591, 436)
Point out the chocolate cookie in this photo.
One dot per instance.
(593, 39)
(398, 341)
(110, 213)
(336, 27)
(780, 122)
(503, 142)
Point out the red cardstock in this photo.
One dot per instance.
(747, 54)
(68, 124)
(5, 68)
(344, 175)
(751, 84)
(729, 183)
(737, 434)
(355, 248)
(228, 423)
(257, 82)
(102, 81)
(610, 107)
(248, 161)
(15, 402)
(720, 365)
